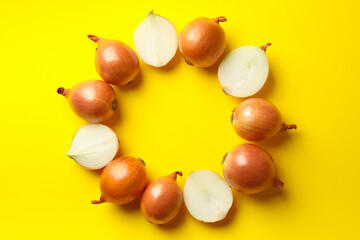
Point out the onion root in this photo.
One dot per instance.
(142, 161)
(187, 61)
(224, 157)
(62, 91)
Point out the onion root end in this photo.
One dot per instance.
(62, 91)
(187, 61)
(114, 105)
(224, 157)
(142, 161)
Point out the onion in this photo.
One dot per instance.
(207, 196)
(162, 199)
(202, 42)
(115, 61)
(249, 169)
(156, 40)
(92, 100)
(256, 119)
(243, 72)
(93, 146)
(122, 181)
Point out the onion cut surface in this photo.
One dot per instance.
(156, 40)
(244, 71)
(207, 196)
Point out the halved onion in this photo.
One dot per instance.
(93, 146)
(244, 71)
(207, 196)
(156, 40)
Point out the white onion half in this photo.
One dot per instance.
(93, 146)
(207, 196)
(243, 72)
(156, 40)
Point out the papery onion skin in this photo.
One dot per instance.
(122, 181)
(162, 199)
(115, 61)
(248, 168)
(92, 100)
(257, 119)
(202, 41)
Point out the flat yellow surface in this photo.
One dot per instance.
(177, 118)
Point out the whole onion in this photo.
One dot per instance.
(115, 61)
(202, 41)
(122, 181)
(92, 100)
(248, 168)
(257, 119)
(162, 199)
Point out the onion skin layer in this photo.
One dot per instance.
(162, 199)
(248, 168)
(202, 41)
(115, 61)
(257, 119)
(122, 181)
(92, 100)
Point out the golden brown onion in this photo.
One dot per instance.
(115, 61)
(122, 181)
(203, 41)
(257, 119)
(249, 169)
(162, 199)
(92, 100)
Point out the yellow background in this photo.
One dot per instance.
(177, 118)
